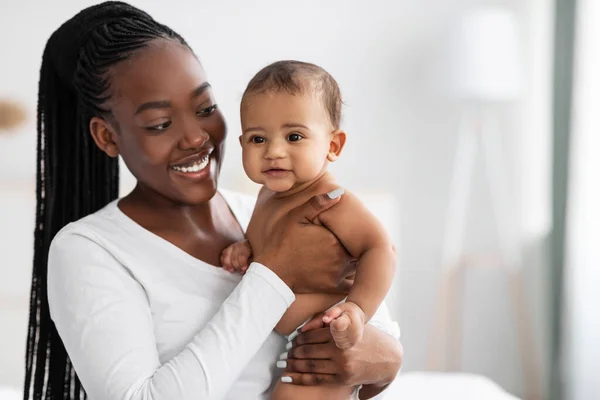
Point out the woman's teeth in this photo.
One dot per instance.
(194, 167)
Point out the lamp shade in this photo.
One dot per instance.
(485, 60)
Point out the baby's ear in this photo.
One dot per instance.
(338, 140)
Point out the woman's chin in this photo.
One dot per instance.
(198, 194)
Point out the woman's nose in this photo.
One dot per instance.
(194, 136)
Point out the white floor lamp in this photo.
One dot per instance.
(486, 75)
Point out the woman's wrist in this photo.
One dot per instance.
(273, 280)
(271, 263)
(388, 351)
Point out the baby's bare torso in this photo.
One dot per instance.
(267, 212)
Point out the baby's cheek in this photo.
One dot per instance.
(252, 168)
(311, 167)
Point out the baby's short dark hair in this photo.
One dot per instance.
(296, 77)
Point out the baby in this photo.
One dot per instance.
(290, 114)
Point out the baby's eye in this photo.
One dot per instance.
(257, 139)
(294, 137)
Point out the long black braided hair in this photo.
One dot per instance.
(74, 178)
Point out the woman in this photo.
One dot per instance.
(132, 287)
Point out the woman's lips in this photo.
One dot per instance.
(195, 171)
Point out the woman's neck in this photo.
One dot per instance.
(201, 230)
(151, 209)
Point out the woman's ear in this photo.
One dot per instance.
(105, 136)
(338, 140)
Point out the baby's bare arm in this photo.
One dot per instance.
(366, 239)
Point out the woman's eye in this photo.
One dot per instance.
(294, 137)
(257, 139)
(207, 111)
(160, 127)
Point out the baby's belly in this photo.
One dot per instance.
(304, 307)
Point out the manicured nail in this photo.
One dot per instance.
(334, 194)
(292, 336)
(288, 345)
(286, 379)
(281, 364)
(283, 356)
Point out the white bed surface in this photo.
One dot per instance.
(447, 386)
(410, 386)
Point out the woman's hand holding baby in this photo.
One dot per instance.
(315, 359)
(293, 250)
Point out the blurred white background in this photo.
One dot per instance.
(394, 62)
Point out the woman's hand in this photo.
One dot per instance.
(314, 359)
(294, 250)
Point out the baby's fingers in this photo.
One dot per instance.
(226, 260)
(341, 323)
(333, 313)
(243, 261)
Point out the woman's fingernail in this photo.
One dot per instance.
(286, 379)
(281, 364)
(334, 194)
(283, 356)
(288, 345)
(292, 336)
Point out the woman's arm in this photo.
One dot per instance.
(103, 317)
(383, 341)
(386, 353)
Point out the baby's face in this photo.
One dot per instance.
(285, 139)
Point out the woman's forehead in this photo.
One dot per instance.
(164, 70)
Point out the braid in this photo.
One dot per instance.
(74, 177)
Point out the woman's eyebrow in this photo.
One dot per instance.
(167, 104)
(200, 89)
(153, 104)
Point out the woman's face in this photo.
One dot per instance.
(166, 124)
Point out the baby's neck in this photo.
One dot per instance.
(323, 178)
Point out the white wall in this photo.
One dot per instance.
(402, 136)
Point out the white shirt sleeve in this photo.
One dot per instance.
(103, 317)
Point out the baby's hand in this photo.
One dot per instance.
(237, 257)
(347, 323)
